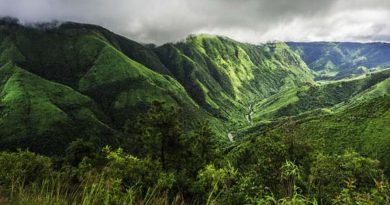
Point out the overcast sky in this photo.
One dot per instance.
(160, 21)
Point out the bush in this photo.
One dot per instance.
(78, 150)
(212, 182)
(330, 174)
(135, 172)
(23, 167)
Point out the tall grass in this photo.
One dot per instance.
(94, 190)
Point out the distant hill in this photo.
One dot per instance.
(342, 94)
(347, 114)
(336, 60)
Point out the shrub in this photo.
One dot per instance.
(23, 167)
(212, 181)
(330, 174)
(133, 171)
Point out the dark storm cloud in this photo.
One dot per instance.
(246, 20)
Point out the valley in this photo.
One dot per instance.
(206, 117)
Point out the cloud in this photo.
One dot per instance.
(160, 21)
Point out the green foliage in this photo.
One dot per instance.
(201, 145)
(377, 195)
(212, 182)
(79, 150)
(341, 179)
(23, 167)
(271, 164)
(330, 174)
(157, 134)
(134, 172)
(290, 173)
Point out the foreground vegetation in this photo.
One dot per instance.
(160, 163)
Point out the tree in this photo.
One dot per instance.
(290, 172)
(8, 20)
(78, 150)
(157, 134)
(202, 144)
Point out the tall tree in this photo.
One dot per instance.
(202, 144)
(157, 134)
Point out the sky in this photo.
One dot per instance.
(253, 21)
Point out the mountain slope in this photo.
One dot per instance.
(348, 114)
(88, 58)
(89, 61)
(225, 76)
(310, 97)
(46, 116)
(336, 60)
(50, 49)
(363, 127)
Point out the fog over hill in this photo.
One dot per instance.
(249, 20)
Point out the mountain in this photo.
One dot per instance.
(306, 98)
(363, 128)
(346, 114)
(61, 82)
(212, 78)
(45, 115)
(225, 76)
(336, 60)
(77, 81)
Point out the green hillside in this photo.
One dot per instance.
(89, 61)
(348, 114)
(337, 60)
(363, 128)
(341, 93)
(225, 76)
(46, 116)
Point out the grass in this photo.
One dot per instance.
(55, 191)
